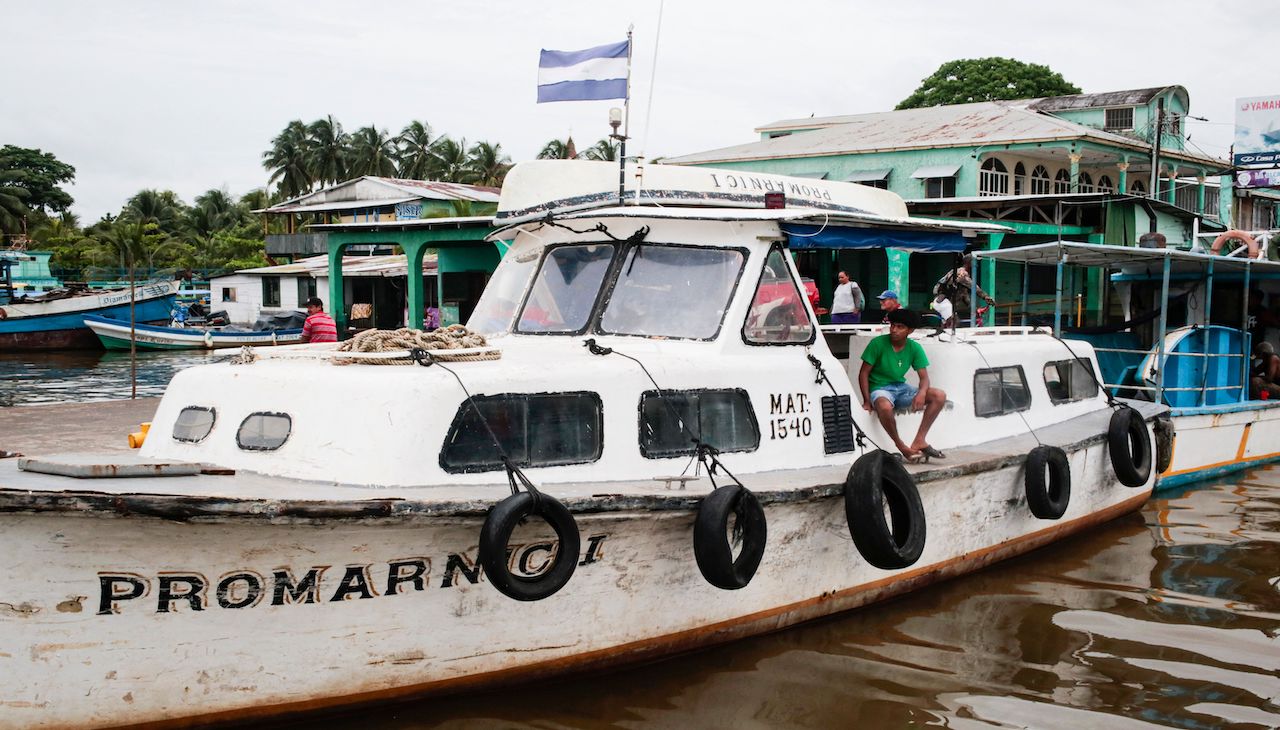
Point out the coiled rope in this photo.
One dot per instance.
(453, 337)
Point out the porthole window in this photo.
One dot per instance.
(1070, 380)
(194, 423)
(998, 391)
(264, 431)
(720, 418)
(535, 429)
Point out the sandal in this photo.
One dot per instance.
(931, 453)
(904, 459)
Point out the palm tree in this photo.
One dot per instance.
(328, 151)
(13, 207)
(220, 207)
(372, 153)
(558, 149)
(602, 150)
(449, 160)
(487, 164)
(287, 160)
(161, 207)
(413, 150)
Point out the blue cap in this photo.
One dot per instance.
(888, 294)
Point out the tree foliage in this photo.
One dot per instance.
(969, 80)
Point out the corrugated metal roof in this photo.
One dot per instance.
(1131, 97)
(957, 125)
(371, 191)
(388, 265)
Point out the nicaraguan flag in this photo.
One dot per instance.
(596, 73)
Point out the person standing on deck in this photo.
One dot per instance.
(883, 386)
(319, 326)
(847, 302)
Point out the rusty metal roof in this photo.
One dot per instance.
(1131, 97)
(957, 125)
(371, 191)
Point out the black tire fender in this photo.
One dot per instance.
(495, 536)
(711, 545)
(1130, 447)
(1164, 433)
(1048, 498)
(877, 481)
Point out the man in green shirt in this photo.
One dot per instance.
(882, 383)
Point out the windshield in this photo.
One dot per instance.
(501, 297)
(672, 291)
(565, 288)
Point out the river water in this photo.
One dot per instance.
(1169, 617)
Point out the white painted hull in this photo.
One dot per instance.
(639, 594)
(1211, 444)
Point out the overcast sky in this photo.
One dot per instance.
(187, 96)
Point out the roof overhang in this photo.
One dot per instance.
(1102, 255)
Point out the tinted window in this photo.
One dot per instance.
(565, 289)
(672, 291)
(264, 431)
(1068, 380)
(778, 315)
(501, 297)
(534, 430)
(721, 418)
(194, 423)
(1000, 390)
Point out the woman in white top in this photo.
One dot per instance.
(846, 304)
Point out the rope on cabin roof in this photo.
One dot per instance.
(453, 337)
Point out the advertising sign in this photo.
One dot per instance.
(1258, 131)
(1258, 179)
(408, 211)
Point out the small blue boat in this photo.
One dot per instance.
(53, 322)
(115, 335)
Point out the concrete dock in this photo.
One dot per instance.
(63, 427)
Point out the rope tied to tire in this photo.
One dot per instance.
(713, 539)
(505, 516)
(1129, 447)
(1048, 498)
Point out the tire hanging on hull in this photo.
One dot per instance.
(878, 484)
(712, 546)
(1130, 447)
(495, 536)
(1048, 498)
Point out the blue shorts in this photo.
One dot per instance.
(899, 394)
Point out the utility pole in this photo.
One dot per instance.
(1154, 191)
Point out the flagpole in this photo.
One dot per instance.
(626, 128)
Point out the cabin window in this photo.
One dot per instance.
(998, 391)
(720, 418)
(193, 424)
(264, 431)
(270, 291)
(565, 289)
(535, 429)
(1118, 119)
(1070, 380)
(672, 291)
(497, 306)
(778, 315)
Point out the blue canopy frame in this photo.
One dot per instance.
(803, 236)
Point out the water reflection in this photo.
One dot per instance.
(1167, 618)
(31, 378)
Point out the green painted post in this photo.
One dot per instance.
(1122, 184)
(988, 272)
(337, 307)
(899, 274)
(1200, 194)
(415, 291)
(1075, 171)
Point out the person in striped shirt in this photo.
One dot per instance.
(319, 326)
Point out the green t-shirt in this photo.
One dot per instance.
(890, 366)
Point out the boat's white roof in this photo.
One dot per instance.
(1097, 254)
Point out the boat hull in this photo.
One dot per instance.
(115, 335)
(59, 324)
(1215, 440)
(223, 625)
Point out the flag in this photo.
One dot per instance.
(596, 73)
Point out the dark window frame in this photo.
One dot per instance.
(699, 392)
(1118, 114)
(212, 411)
(1004, 410)
(270, 291)
(276, 414)
(1071, 398)
(593, 313)
(800, 292)
(944, 186)
(465, 408)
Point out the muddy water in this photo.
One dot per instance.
(1165, 618)
(80, 376)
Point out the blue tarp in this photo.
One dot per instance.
(802, 236)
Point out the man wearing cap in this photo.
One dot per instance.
(888, 303)
(319, 326)
(882, 383)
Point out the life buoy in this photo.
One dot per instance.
(1235, 235)
(1130, 447)
(878, 483)
(1048, 498)
(495, 536)
(712, 548)
(1164, 432)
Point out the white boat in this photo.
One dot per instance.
(303, 529)
(117, 335)
(1199, 368)
(55, 320)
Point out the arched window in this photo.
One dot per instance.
(1062, 182)
(1105, 185)
(1086, 182)
(1040, 181)
(1019, 179)
(1138, 188)
(993, 178)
